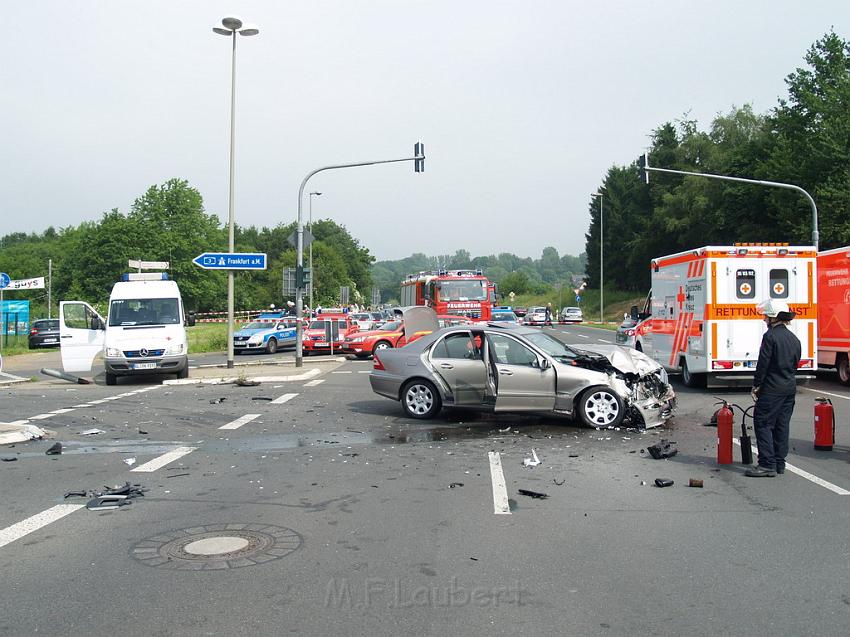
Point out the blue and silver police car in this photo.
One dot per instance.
(268, 333)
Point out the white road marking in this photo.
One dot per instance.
(282, 399)
(313, 383)
(581, 335)
(805, 474)
(242, 420)
(364, 371)
(341, 372)
(98, 402)
(62, 411)
(41, 416)
(825, 393)
(230, 380)
(602, 340)
(500, 491)
(34, 523)
(164, 459)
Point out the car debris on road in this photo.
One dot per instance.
(533, 494)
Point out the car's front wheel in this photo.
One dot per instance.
(271, 346)
(111, 379)
(601, 407)
(380, 346)
(420, 399)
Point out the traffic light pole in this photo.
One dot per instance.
(758, 182)
(419, 158)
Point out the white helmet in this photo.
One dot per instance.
(775, 309)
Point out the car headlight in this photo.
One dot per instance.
(175, 349)
(255, 340)
(359, 339)
(113, 352)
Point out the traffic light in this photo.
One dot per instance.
(299, 277)
(419, 153)
(308, 276)
(642, 164)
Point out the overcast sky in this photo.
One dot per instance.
(522, 106)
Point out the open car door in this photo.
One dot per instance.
(82, 332)
(525, 381)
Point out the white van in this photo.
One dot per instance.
(144, 332)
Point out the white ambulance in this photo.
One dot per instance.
(700, 317)
(144, 332)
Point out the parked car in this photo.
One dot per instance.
(44, 333)
(315, 336)
(571, 315)
(626, 332)
(268, 333)
(368, 320)
(518, 369)
(363, 344)
(535, 316)
(504, 316)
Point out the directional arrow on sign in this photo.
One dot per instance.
(231, 260)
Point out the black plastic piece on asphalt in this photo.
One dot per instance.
(663, 449)
(663, 482)
(555, 480)
(9, 459)
(261, 398)
(533, 494)
(55, 450)
(455, 484)
(216, 401)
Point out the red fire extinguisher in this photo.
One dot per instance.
(725, 420)
(824, 424)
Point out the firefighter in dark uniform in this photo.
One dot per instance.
(774, 388)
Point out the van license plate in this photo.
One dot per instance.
(144, 366)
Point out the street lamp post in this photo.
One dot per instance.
(601, 260)
(230, 26)
(312, 271)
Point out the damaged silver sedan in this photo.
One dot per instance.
(518, 369)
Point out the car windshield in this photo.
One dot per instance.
(320, 325)
(552, 346)
(362, 317)
(504, 316)
(472, 290)
(391, 327)
(258, 325)
(129, 312)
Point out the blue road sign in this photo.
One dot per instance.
(578, 298)
(4, 280)
(231, 260)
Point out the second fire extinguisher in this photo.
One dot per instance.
(824, 424)
(724, 434)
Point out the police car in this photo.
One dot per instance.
(268, 333)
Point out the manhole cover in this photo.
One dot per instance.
(217, 546)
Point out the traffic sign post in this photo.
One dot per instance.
(5, 280)
(231, 260)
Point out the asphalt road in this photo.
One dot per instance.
(341, 518)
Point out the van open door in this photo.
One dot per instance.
(82, 332)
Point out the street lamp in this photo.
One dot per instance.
(230, 26)
(312, 271)
(601, 260)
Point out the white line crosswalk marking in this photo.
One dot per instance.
(242, 420)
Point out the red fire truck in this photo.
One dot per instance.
(460, 292)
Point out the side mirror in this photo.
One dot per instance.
(190, 319)
(634, 311)
(97, 323)
(544, 364)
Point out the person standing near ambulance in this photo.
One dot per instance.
(774, 388)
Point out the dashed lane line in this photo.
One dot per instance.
(341, 372)
(500, 490)
(37, 521)
(805, 474)
(164, 459)
(242, 420)
(313, 383)
(282, 399)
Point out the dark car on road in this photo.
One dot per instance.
(44, 333)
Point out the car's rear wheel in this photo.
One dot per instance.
(420, 399)
(380, 346)
(271, 346)
(601, 407)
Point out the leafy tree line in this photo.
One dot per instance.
(804, 141)
(168, 223)
(510, 272)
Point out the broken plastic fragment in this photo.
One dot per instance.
(663, 482)
(663, 449)
(529, 462)
(216, 401)
(55, 450)
(129, 461)
(533, 494)
(91, 432)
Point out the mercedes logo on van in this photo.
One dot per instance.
(143, 352)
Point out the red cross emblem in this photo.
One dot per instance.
(680, 297)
